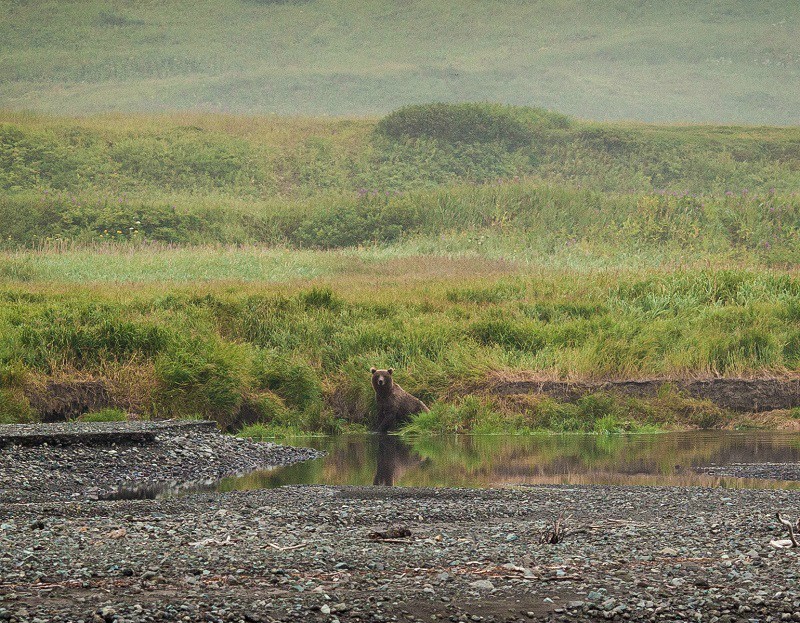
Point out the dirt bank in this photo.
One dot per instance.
(740, 395)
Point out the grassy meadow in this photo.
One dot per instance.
(732, 61)
(252, 269)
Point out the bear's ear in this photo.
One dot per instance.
(390, 370)
(372, 370)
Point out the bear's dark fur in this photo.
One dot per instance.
(394, 403)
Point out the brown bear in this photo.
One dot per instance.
(394, 403)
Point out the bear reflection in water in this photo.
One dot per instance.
(393, 459)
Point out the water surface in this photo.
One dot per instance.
(676, 459)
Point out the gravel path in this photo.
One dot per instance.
(90, 461)
(303, 554)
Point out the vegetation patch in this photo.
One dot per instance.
(252, 270)
(104, 415)
(297, 357)
(509, 126)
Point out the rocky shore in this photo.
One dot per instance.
(306, 554)
(91, 461)
(72, 548)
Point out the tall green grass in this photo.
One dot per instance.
(251, 270)
(294, 356)
(517, 221)
(233, 160)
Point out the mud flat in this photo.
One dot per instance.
(90, 461)
(305, 554)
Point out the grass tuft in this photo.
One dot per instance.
(104, 415)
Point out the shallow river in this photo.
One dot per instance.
(704, 458)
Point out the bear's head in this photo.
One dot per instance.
(382, 380)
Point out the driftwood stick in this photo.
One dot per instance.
(288, 548)
(212, 541)
(559, 578)
(789, 525)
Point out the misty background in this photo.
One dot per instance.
(734, 61)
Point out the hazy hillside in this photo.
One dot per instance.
(515, 182)
(733, 61)
(266, 157)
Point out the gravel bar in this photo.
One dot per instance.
(305, 554)
(768, 471)
(91, 461)
(95, 433)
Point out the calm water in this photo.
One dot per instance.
(496, 461)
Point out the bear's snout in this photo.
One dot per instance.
(381, 380)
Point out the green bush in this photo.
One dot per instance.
(513, 127)
(296, 382)
(31, 157)
(426, 162)
(184, 158)
(374, 218)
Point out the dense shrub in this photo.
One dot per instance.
(184, 158)
(292, 379)
(513, 127)
(31, 158)
(372, 219)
